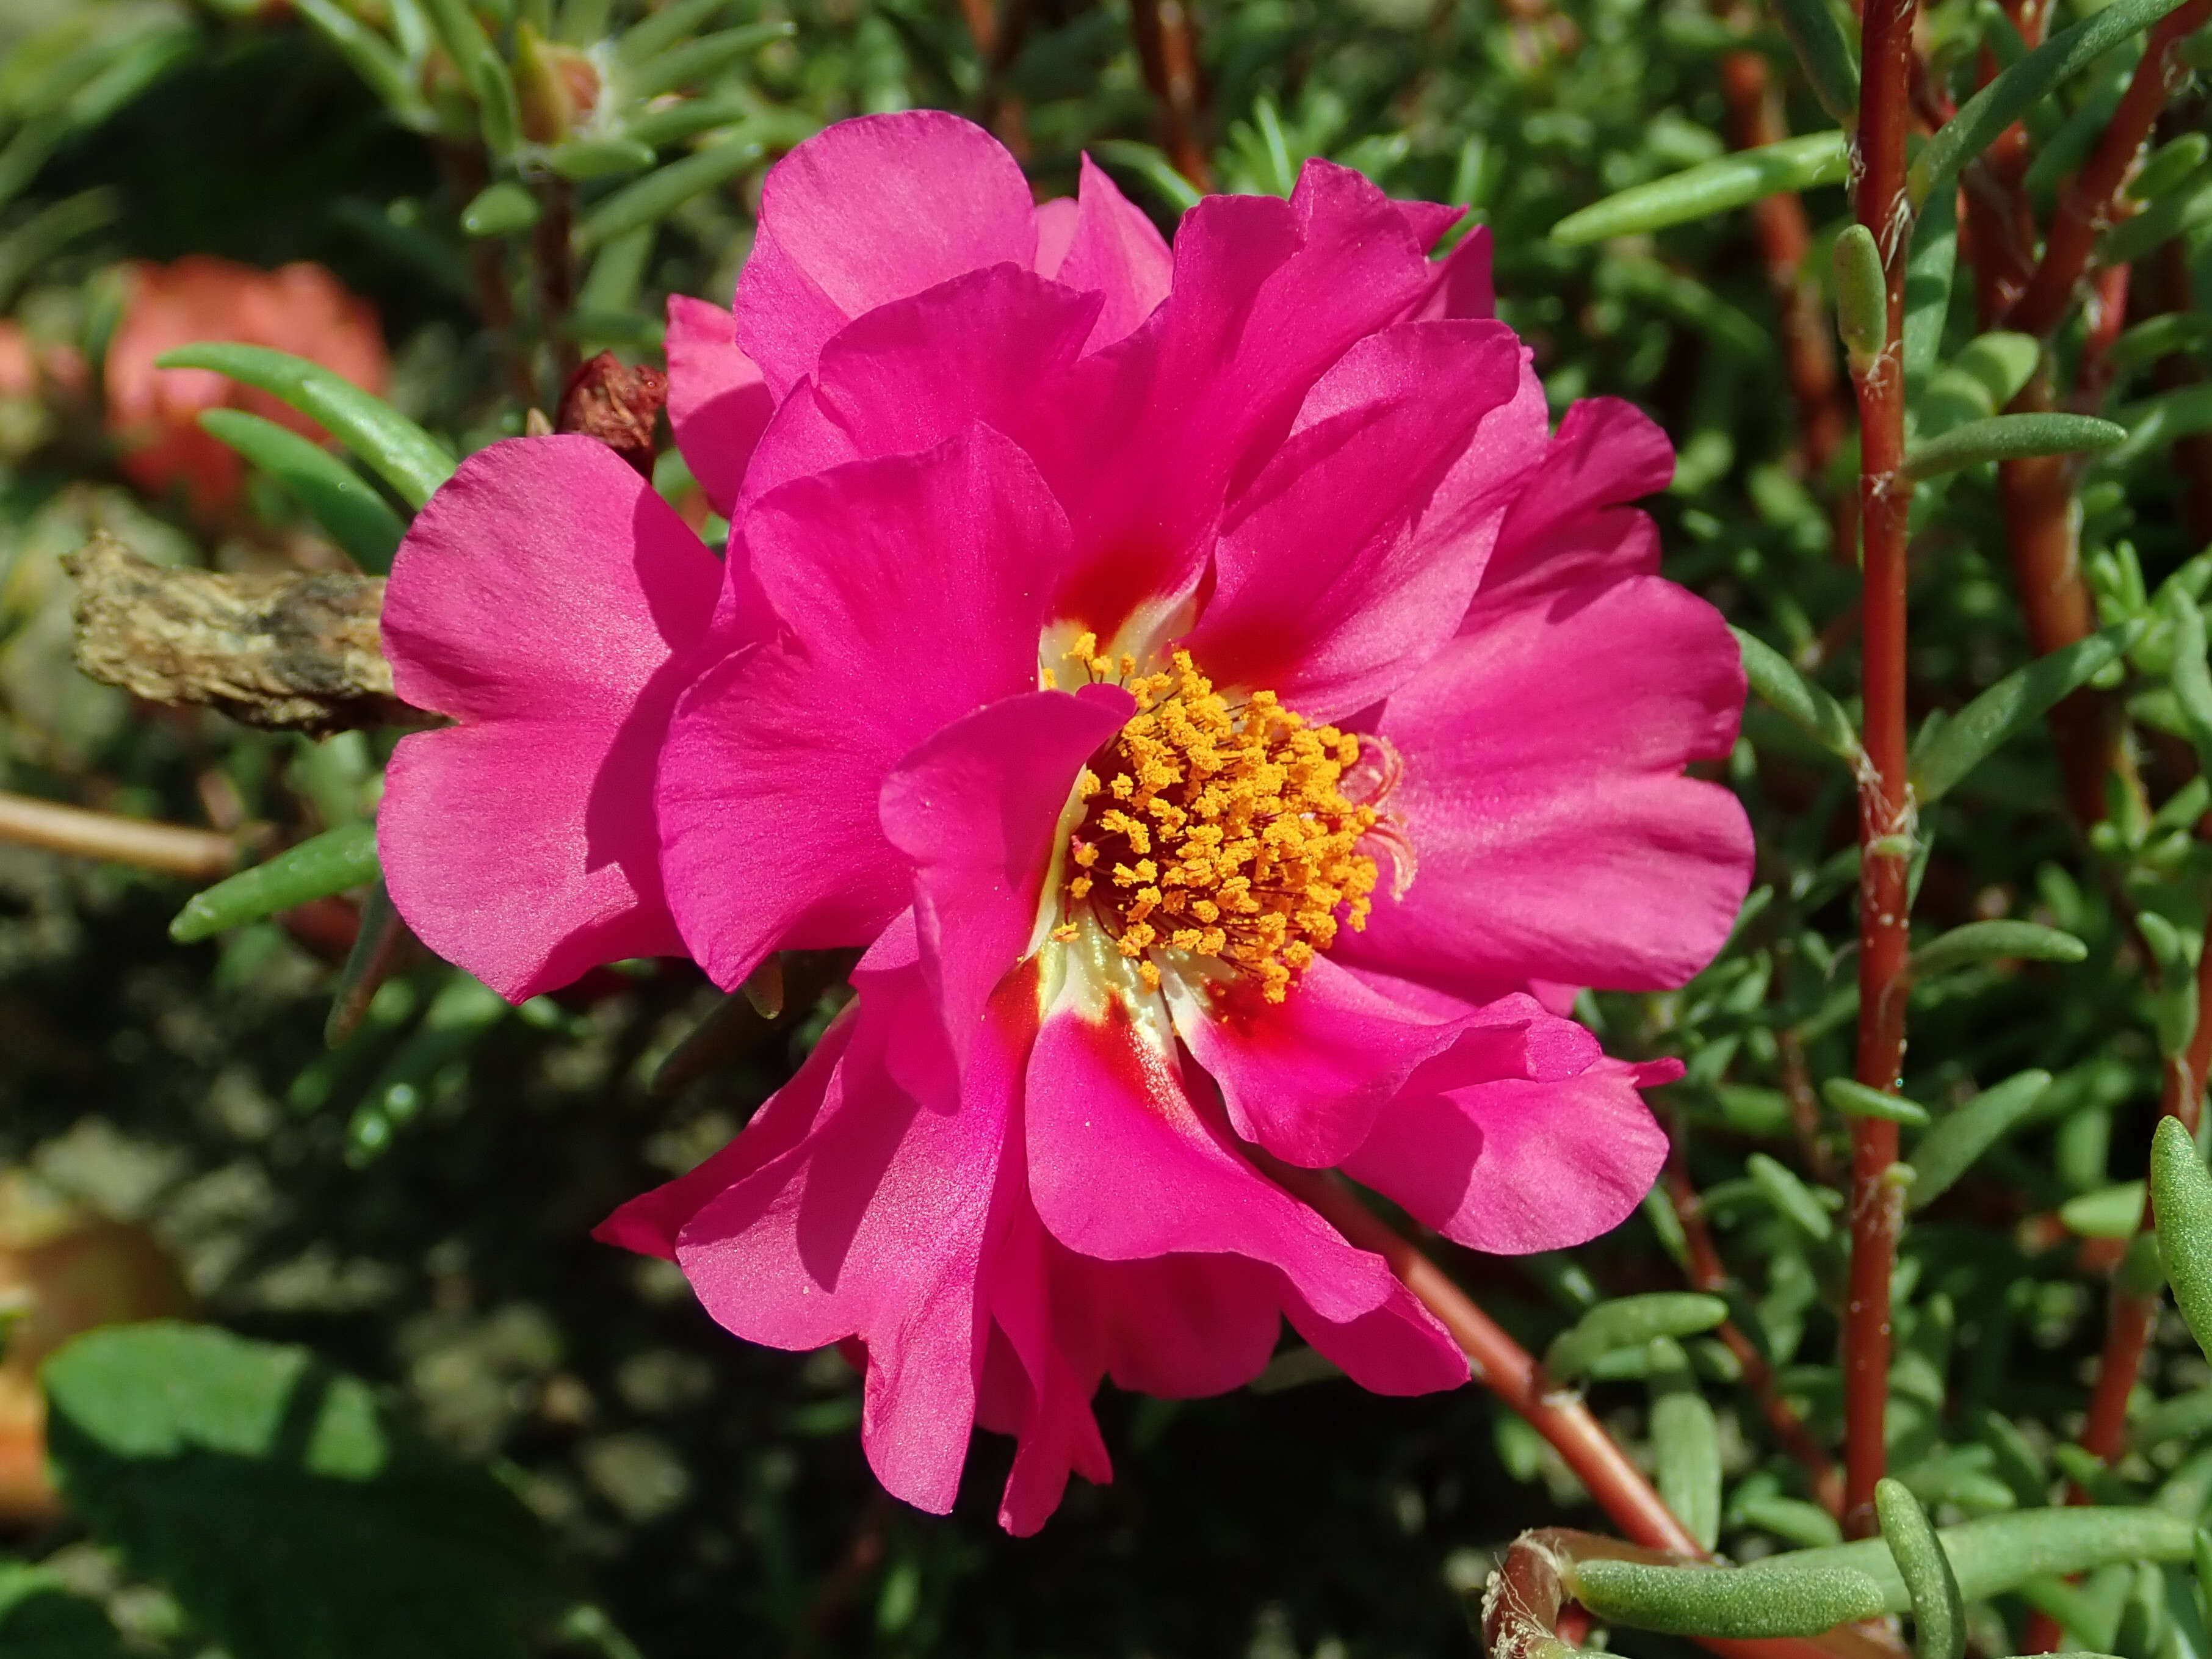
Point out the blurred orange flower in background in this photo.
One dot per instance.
(300, 308)
(62, 1271)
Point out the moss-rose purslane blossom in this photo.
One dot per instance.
(1231, 721)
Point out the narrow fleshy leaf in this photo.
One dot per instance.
(2181, 1196)
(2027, 83)
(334, 496)
(500, 209)
(1854, 1099)
(1996, 941)
(697, 62)
(1685, 1443)
(582, 159)
(1715, 186)
(370, 55)
(1789, 693)
(396, 449)
(2009, 706)
(1939, 1613)
(1928, 271)
(330, 863)
(660, 193)
(1151, 166)
(2011, 438)
(658, 30)
(1628, 1322)
(1790, 1197)
(1826, 52)
(1861, 294)
(2113, 1211)
(1950, 1149)
(2182, 210)
(1734, 1602)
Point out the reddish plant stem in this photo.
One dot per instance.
(1709, 1273)
(2091, 200)
(1886, 816)
(1167, 45)
(1755, 118)
(1508, 1371)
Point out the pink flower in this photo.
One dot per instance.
(1226, 714)
(154, 412)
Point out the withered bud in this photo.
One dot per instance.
(617, 405)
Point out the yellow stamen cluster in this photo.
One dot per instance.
(1217, 828)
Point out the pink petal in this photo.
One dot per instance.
(1036, 1302)
(1353, 554)
(1429, 221)
(1123, 1166)
(1518, 1165)
(651, 1223)
(868, 211)
(1554, 835)
(718, 402)
(1055, 234)
(547, 600)
(1183, 1326)
(1568, 527)
(1460, 286)
(975, 807)
(990, 347)
(913, 590)
(1398, 1348)
(873, 1226)
(1115, 250)
(1174, 419)
(1305, 1077)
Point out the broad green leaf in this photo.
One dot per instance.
(1629, 1322)
(1152, 166)
(270, 1498)
(1789, 693)
(660, 193)
(1715, 186)
(334, 496)
(2009, 706)
(1854, 1099)
(42, 1618)
(1734, 1602)
(1826, 51)
(2011, 438)
(2181, 1197)
(697, 62)
(1951, 1148)
(1939, 1614)
(330, 863)
(1995, 941)
(2026, 83)
(394, 448)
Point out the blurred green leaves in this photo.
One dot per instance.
(270, 1496)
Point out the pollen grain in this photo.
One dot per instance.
(1217, 828)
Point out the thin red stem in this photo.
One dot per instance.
(1886, 818)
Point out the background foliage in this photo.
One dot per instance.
(429, 1416)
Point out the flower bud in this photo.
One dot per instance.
(558, 86)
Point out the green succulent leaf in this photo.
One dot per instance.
(330, 863)
(334, 495)
(2181, 1196)
(1715, 186)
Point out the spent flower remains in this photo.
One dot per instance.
(1232, 722)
